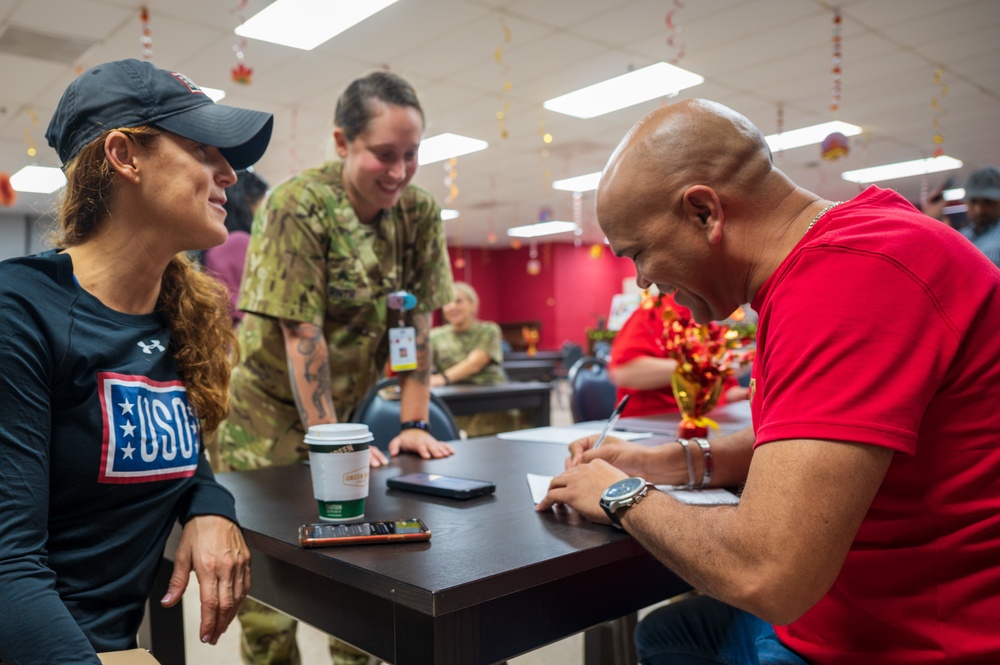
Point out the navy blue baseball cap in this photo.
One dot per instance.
(130, 93)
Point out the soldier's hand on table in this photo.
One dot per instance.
(420, 443)
(377, 457)
(581, 488)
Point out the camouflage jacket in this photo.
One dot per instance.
(310, 259)
(451, 347)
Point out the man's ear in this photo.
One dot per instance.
(340, 142)
(121, 151)
(703, 207)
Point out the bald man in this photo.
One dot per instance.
(868, 529)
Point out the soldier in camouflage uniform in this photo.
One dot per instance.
(327, 247)
(467, 350)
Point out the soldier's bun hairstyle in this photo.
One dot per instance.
(357, 105)
(193, 305)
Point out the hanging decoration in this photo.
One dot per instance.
(460, 260)
(451, 175)
(491, 236)
(146, 40)
(8, 195)
(835, 145)
(836, 71)
(596, 250)
(534, 266)
(578, 218)
(516, 244)
(544, 153)
(673, 41)
(547, 255)
(505, 78)
(939, 110)
(28, 133)
(241, 74)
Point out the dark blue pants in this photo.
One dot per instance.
(704, 631)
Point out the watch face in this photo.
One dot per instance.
(624, 488)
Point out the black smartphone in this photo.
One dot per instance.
(363, 533)
(438, 485)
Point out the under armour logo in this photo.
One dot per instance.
(153, 344)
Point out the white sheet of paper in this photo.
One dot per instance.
(539, 486)
(565, 435)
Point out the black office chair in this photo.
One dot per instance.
(380, 411)
(591, 393)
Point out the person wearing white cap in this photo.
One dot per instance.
(115, 368)
(982, 193)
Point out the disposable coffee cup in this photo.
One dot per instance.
(338, 459)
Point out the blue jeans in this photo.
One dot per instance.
(704, 631)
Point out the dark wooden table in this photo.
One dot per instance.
(554, 356)
(730, 418)
(530, 370)
(532, 396)
(496, 580)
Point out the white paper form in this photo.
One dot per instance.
(539, 486)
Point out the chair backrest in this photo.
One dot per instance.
(380, 411)
(591, 393)
(571, 352)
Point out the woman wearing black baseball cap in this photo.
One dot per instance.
(113, 351)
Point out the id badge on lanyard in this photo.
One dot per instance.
(403, 338)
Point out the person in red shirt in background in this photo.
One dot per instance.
(640, 366)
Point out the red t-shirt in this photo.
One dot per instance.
(881, 328)
(642, 336)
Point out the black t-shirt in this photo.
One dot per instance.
(100, 453)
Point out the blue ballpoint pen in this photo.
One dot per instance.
(615, 415)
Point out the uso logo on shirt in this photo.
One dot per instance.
(150, 432)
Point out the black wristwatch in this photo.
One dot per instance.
(415, 424)
(622, 495)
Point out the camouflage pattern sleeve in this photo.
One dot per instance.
(429, 270)
(286, 271)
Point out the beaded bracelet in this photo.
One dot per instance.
(690, 463)
(707, 450)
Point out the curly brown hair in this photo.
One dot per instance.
(191, 304)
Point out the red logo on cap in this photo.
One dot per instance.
(187, 82)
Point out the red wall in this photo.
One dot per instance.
(569, 295)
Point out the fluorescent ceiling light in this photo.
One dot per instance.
(902, 169)
(38, 179)
(214, 94)
(445, 146)
(447, 214)
(956, 194)
(580, 183)
(637, 86)
(809, 135)
(542, 229)
(305, 24)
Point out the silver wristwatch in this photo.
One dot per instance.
(622, 495)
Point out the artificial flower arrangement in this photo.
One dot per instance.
(706, 356)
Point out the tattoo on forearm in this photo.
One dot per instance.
(421, 322)
(312, 364)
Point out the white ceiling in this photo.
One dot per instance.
(754, 54)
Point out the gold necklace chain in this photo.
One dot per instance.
(821, 213)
